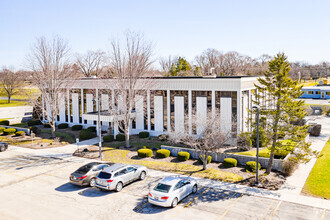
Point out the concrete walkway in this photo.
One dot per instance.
(296, 182)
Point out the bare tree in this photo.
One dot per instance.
(90, 64)
(129, 62)
(211, 136)
(10, 82)
(166, 63)
(49, 63)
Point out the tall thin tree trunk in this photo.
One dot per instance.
(127, 137)
(9, 99)
(53, 128)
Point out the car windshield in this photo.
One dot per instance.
(104, 175)
(84, 169)
(162, 188)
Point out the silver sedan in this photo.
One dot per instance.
(171, 190)
(116, 176)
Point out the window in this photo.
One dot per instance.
(162, 188)
(178, 185)
(130, 169)
(328, 93)
(104, 175)
(317, 92)
(310, 92)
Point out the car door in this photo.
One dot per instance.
(180, 190)
(131, 173)
(188, 187)
(123, 175)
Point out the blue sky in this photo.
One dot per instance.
(301, 29)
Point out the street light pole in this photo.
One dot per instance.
(257, 165)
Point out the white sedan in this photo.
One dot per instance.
(171, 190)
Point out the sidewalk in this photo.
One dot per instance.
(296, 182)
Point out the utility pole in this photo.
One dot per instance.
(257, 165)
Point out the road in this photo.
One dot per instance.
(35, 186)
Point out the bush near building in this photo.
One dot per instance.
(120, 137)
(20, 133)
(9, 131)
(142, 153)
(86, 134)
(35, 129)
(4, 122)
(183, 156)
(252, 166)
(92, 128)
(230, 162)
(63, 126)
(34, 122)
(108, 138)
(163, 153)
(76, 127)
(143, 134)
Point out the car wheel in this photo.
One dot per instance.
(119, 186)
(142, 175)
(2, 148)
(174, 202)
(194, 189)
(92, 182)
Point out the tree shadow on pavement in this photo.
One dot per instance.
(95, 192)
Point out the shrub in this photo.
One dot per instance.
(263, 141)
(328, 113)
(120, 137)
(288, 167)
(76, 127)
(252, 166)
(2, 129)
(20, 133)
(163, 137)
(145, 153)
(230, 162)
(162, 153)
(47, 125)
(9, 131)
(143, 134)
(4, 122)
(183, 155)
(208, 160)
(244, 142)
(264, 154)
(86, 134)
(108, 138)
(63, 126)
(145, 147)
(314, 130)
(92, 129)
(35, 129)
(34, 122)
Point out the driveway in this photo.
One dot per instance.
(35, 186)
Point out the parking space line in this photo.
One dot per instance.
(316, 214)
(196, 197)
(323, 214)
(270, 205)
(278, 205)
(223, 215)
(137, 209)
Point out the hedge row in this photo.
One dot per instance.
(230, 162)
(86, 134)
(163, 153)
(63, 126)
(142, 153)
(77, 127)
(4, 122)
(9, 131)
(108, 138)
(143, 134)
(252, 166)
(183, 156)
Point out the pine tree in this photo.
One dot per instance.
(277, 95)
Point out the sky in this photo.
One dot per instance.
(186, 28)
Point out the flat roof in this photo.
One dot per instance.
(317, 87)
(177, 77)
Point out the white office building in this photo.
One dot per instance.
(168, 104)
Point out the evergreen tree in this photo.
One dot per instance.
(181, 67)
(277, 95)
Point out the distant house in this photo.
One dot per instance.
(316, 92)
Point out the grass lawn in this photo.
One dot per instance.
(20, 125)
(253, 153)
(18, 143)
(119, 156)
(63, 135)
(4, 103)
(318, 181)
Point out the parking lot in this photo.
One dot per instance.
(36, 187)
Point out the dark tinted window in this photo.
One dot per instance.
(104, 175)
(162, 188)
(84, 169)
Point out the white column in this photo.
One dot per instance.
(82, 104)
(158, 113)
(43, 107)
(179, 114)
(113, 125)
(89, 106)
(148, 110)
(190, 112)
(139, 119)
(61, 106)
(69, 110)
(245, 112)
(213, 104)
(105, 107)
(96, 98)
(201, 114)
(168, 100)
(75, 108)
(226, 114)
(239, 111)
